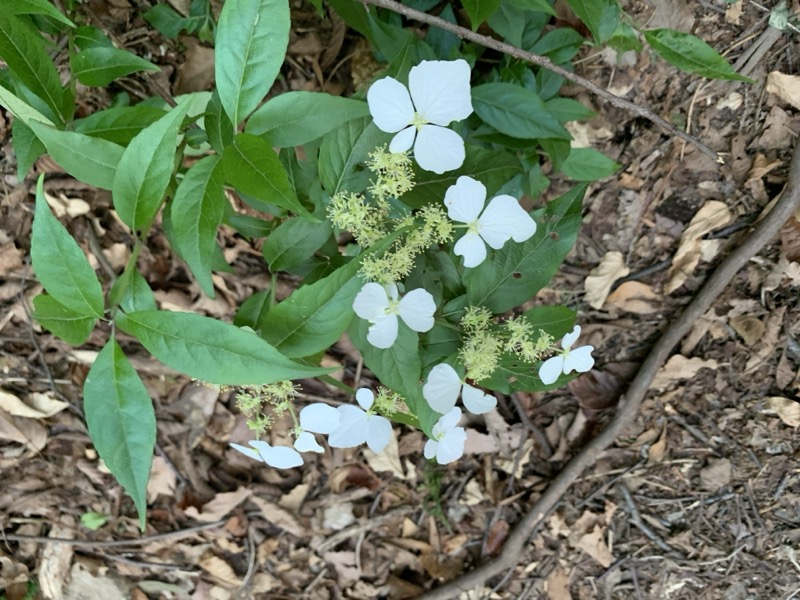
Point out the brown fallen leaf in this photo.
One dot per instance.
(790, 239)
(280, 517)
(220, 506)
(788, 410)
(595, 546)
(680, 367)
(56, 559)
(36, 406)
(27, 432)
(602, 277)
(635, 297)
(162, 480)
(786, 87)
(496, 537)
(221, 571)
(750, 328)
(716, 475)
(10, 258)
(596, 391)
(557, 585)
(733, 12)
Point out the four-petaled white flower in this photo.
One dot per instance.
(315, 418)
(438, 93)
(447, 443)
(357, 426)
(280, 457)
(503, 219)
(380, 306)
(568, 360)
(443, 387)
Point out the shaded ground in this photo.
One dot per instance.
(698, 500)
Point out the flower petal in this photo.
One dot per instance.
(383, 331)
(280, 457)
(571, 337)
(365, 397)
(451, 446)
(371, 301)
(442, 388)
(319, 418)
(551, 369)
(472, 248)
(476, 401)
(352, 429)
(306, 442)
(438, 149)
(429, 451)
(390, 105)
(449, 420)
(403, 141)
(416, 309)
(379, 433)
(579, 359)
(504, 219)
(465, 199)
(251, 452)
(440, 90)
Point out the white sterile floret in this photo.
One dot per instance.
(503, 219)
(315, 418)
(379, 304)
(357, 426)
(568, 360)
(280, 457)
(438, 93)
(447, 443)
(443, 386)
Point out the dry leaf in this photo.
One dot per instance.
(338, 516)
(790, 239)
(750, 328)
(716, 475)
(388, 459)
(38, 406)
(761, 167)
(680, 367)
(557, 585)
(595, 546)
(295, 498)
(496, 537)
(220, 506)
(345, 565)
(162, 480)
(733, 12)
(635, 297)
(55, 562)
(656, 452)
(220, 571)
(83, 585)
(602, 277)
(10, 258)
(788, 410)
(280, 517)
(777, 131)
(786, 87)
(72, 207)
(28, 432)
(712, 215)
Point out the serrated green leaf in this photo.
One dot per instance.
(60, 264)
(196, 214)
(294, 241)
(119, 125)
(516, 272)
(211, 350)
(480, 10)
(296, 118)
(91, 160)
(121, 422)
(100, 66)
(252, 38)
(600, 16)
(587, 164)
(516, 111)
(691, 54)
(22, 49)
(131, 292)
(70, 326)
(252, 167)
(145, 170)
(36, 7)
(343, 150)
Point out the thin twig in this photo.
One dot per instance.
(628, 408)
(636, 520)
(546, 63)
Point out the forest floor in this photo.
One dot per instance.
(699, 499)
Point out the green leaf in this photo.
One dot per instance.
(145, 170)
(93, 520)
(567, 109)
(357, 16)
(493, 168)
(21, 109)
(167, 20)
(691, 54)
(600, 16)
(211, 350)
(252, 167)
(27, 147)
(252, 310)
(293, 242)
(72, 327)
(587, 164)
(91, 160)
(296, 118)
(121, 422)
(119, 125)
(98, 67)
(60, 264)
(343, 150)
(516, 111)
(559, 45)
(22, 49)
(196, 214)
(218, 126)
(131, 292)
(480, 10)
(36, 7)
(516, 272)
(88, 36)
(536, 5)
(251, 42)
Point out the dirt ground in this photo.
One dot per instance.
(699, 499)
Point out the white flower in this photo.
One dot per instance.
(568, 360)
(280, 457)
(357, 426)
(380, 306)
(447, 443)
(502, 220)
(443, 387)
(315, 418)
(438, 93)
